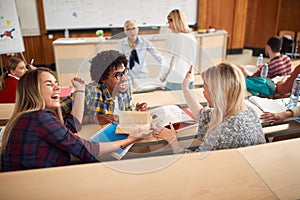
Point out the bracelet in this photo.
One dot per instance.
(83, 91)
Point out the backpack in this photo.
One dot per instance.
(260, 86)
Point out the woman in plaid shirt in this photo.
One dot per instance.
(37, 137)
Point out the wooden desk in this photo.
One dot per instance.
(151, 146)
(221, 174)
(6, 110)
(287, 128)
(159, 98)
(278, 165)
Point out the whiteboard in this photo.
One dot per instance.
(83, 14)
(28, 16)
(11, 40)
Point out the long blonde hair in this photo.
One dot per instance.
(226, 84)
(179, 21)
(28, 99)
(11, 64)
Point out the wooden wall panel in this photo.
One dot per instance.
(262, 21)
(229, 15)
(289, 17)
(239, 24)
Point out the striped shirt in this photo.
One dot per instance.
(279, 66)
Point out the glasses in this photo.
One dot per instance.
(131, 29)
(170, 20)
(119, 75)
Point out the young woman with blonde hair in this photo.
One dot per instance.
(180, 52)
(226, 122)
(36, 137)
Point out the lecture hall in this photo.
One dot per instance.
(160, 99)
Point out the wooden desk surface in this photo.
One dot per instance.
(278, 165)
(6, 110)
(90, 129)
(290, 127)
(159, 98)
(221, 174)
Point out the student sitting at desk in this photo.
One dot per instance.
(279, 64)
(36, 137)
(16, 68)
(135, 48)
(109, 91)
(226, 122)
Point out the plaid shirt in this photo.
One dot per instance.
(99, 101)
(39, 139)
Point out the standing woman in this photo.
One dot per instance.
(181, 50)
(36, 137)
(16, 68)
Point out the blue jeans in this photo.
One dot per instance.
(177, 86)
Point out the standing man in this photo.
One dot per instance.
(135, 48)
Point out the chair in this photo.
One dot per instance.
(286, 32)
(288, 44)
(296, 46)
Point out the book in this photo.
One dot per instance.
(133, 120)
(108, 134)
(268, 105)
(164, 115)
(159, 116)
(261, 105)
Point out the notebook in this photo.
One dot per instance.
(108, 134)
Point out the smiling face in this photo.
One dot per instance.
(50, 90)
(20, 70)
(117, 80)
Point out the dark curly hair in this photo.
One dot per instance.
(104, 62)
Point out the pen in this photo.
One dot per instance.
(31, 62)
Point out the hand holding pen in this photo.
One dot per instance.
(30, 66)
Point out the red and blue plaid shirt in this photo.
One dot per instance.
(39, 139)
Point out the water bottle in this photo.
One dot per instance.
(264, 71)
(67, 35)
(260, 60)
(294, 93)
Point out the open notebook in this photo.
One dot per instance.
(261, 105)
(159, 116)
